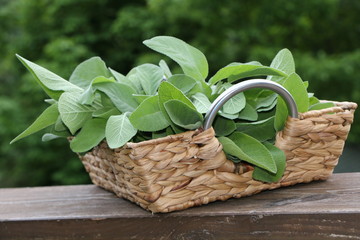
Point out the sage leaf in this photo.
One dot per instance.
(73, 113)
(182, 114)
(61, 134)
(248, 113)
(163, 133)
(192, 61)
(183, 82)
(280, 161)
(243, 71)
(228, 115)
(120, 77)
(106, 112)
(59, 126)
(149, 76)
(88, 96)
(260, 98)
(167, 92)
(163, 65)
(295, 86)
(201, 102)
(248, 149)
(52, 84)
(321, 105)
(134, 80)
(148, 116)
(89, 69)
(90, 135)
(223, 126)
(261, 130)
(235, 104)
(268, 108)
(49, 137)
(120, 94)
(313, 100)
(50, 101)
(266, 115)
(284, 62)
(140, 97)
(119, 130)
(306, 84)
(47, 118)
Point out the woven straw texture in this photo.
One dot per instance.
(189, 169)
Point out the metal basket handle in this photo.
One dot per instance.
(245, 85)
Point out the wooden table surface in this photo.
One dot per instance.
(319, 210)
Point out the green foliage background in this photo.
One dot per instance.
(323, 35)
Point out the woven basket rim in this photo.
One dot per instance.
(338, 108)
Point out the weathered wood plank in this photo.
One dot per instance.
(319, 210)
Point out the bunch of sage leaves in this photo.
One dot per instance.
(149, 102)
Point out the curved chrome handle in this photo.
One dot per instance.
(245, 85)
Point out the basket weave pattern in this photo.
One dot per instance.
(188, 169)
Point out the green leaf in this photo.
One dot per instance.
(235, 104)
(201, 102)
(163, 133)
(149, 76)
(148, 116)
(50, 101)
(295, 86)
(223, 126)
(165, 68)
(119, 77)
(313, 100)
(280, 161)
(89, 69)
(323, 105)
(90, 135)
(306, 84)
(283, 61)
(106, 101)
(52, 84)
(119, 130)
(270, 107)
(47, 118)
(182, 82)
(191, 60)
(88, 96)
(73, 113)
(248, 149)
(261, 130)
(140, 98)
(49, 137)
(260, 98)
(266, 115)
(182, 115)
(248, 113)
(59, 126)
(120, 94)
(105, 112)
(237, 72)
(228, 115)
(167, 92)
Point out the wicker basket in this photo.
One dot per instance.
(190, 169)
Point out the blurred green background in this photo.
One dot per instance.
(323, 35)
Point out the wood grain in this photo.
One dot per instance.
(319, 210)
